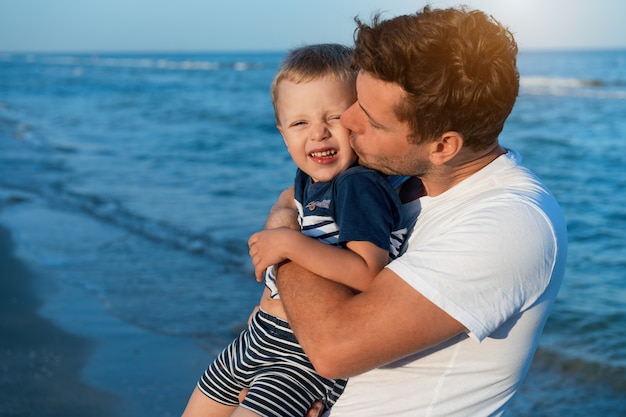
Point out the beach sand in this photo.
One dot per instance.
(83, 361)
(40, 363)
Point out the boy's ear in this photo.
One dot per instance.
(280, 129)
(446, 147)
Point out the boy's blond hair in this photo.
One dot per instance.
(312, 62)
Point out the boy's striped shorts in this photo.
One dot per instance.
(268, 360)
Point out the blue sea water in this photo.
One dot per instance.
(138, 178)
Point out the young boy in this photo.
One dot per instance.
(350, 219)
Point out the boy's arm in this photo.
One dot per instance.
(355, 266)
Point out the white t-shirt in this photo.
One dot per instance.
(491, 253)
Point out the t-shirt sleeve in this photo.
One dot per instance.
(482, 268)
(367, 207)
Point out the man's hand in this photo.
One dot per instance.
(316, 410)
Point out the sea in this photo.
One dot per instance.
(136, 179)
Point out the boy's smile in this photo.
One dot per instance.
(325, 156)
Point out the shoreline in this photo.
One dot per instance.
(40, 362)
(63, 354)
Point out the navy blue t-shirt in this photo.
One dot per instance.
(360, 204)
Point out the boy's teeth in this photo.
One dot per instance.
(321, 154)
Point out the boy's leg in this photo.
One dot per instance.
(244, 412)
(199, 405)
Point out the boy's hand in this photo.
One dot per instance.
(267, 248)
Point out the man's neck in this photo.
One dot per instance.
(447, 176)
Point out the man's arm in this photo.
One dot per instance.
(283, 213)
(345, 334)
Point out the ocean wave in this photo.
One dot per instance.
(589, 88)
(225, 252)
(13, 126)
(228, 252)
(152, 62)
(561, 82)
(12, 197)
(585, 370)
(46, 161)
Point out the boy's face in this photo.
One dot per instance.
(308, 115)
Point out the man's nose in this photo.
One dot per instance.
(347, 117)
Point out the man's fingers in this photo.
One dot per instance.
(316, 410)
(243, 393)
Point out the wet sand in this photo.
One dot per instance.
(63, 355)
(40, 363)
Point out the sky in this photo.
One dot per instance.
(277, 25)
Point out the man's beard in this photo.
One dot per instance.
(405, 164)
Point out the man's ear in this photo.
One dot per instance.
(446, 147)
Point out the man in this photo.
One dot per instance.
(450, 327)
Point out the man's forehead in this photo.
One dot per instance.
(376, 94)
(366, 81)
